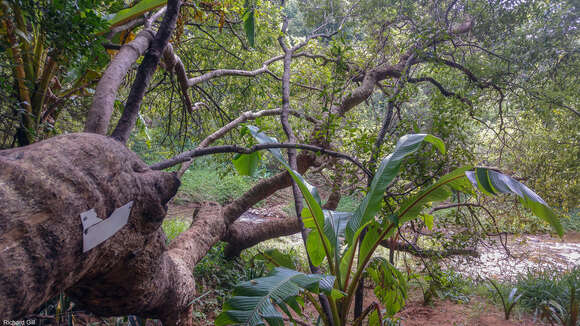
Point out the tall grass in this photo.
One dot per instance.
(541, 286)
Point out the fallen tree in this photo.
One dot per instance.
(45, 187)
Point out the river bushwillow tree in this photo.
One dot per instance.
(467, 53)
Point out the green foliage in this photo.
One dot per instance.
(256, 299)
(70, 29)
(208, 184)
(217, 272)
(539, 287)
(276, 258)
(390, 285)
(348, 203)
(384, 175)
(173, 227)
(326, 228)
(443, 284)
(250, 24)
(246, 164)
(135, 11)
(572, 223)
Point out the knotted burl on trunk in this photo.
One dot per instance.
(44, 188)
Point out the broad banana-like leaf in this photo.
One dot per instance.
(347, 259)
(144, 6)
(318, 247)
(246, 164)
(497, 183)
(489, 181)
(334, 224)
(385, 174)
(253, 302)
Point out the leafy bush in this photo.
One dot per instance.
(444, 284)
(216, 272)
(572, 223)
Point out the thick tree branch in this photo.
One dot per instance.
(243, 235)
(416, 251)
(145, 72)
(99, 115)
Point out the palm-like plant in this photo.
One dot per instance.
(327, 229)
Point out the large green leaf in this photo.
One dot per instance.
(250, 26)
(254, 301)
(137, 10)
(489, 181)
(501, 183)
(318, 242)
(385, 174)
(246, 164)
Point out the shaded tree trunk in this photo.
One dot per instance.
(43, 189)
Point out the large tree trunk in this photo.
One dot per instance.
(43, 189)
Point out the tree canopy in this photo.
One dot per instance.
(336, 83)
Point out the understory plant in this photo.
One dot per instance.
(343, 244)
(508, 301)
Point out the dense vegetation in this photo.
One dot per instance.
(408, 117)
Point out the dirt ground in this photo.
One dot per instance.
(478, 312)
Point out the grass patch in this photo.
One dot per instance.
(538, 287)
(208, 184)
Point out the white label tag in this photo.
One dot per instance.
(96, 230)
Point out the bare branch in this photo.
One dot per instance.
(441, 89)
(186, 156)
(234, 123)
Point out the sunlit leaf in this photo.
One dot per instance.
(385, 174)
(137, 10)
(246, 164)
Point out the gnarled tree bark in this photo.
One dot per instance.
(43, 189)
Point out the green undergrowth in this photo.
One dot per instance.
(208, 184)
(541, 292)
(572, 223)
(173, 227)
